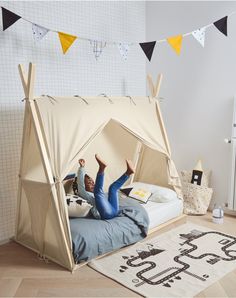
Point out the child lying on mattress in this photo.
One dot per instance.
(104, 206)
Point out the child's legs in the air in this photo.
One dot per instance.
(113, 192)
(105, 209)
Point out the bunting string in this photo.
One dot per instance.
(39, 32)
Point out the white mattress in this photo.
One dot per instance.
(160, 213)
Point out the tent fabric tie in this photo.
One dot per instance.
(160, 99)
(49, 96)
(57, 180)
(131, 99)
(104, 95)
(84, 100)
(43, 258)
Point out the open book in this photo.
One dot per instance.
(139, 194)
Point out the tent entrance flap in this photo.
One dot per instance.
(114, 144)
(152, 168)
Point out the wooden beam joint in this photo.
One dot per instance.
(155, 89)
(27, 80)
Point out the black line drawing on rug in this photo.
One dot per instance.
(172, 274)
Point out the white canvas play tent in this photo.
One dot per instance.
(60, 130)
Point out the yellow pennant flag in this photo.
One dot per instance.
(66, 41)
(176, 42)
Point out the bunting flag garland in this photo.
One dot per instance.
(98, 47)
(66, 41)
(124, 49)
(199, 35)
(8, 18)
(148, 48)
(221, 25)
(176, 42)
(39, 32)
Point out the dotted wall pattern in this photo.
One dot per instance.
(77, 72)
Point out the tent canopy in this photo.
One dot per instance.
(71, 127)
(60, 130)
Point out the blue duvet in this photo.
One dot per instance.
(93, 237)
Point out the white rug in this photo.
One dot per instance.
(179, 263)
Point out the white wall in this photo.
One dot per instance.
(198, 86)
(77, 72)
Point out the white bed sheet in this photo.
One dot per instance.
(160, 213)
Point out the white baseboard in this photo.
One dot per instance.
(226, 211)
(229, 212)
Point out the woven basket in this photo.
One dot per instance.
(196, 198)
(186, 176)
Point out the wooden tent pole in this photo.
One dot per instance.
(27, 80)
(23, 79)
(24, 84)
(39, 135)
(46, 163)
(31, 79)
(28, 86)
(138, 151)
(155, 92)
(163, 129)
(151, 86)
(158, 84)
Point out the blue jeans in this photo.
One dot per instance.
(108, 207)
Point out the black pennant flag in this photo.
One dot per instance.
(221, 25)
(8, 18)
(148, 48)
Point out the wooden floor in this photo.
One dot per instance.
(22, 274)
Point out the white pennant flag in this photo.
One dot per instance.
(124, 49)
(199, 35)
(39, 32)
(98, 47)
